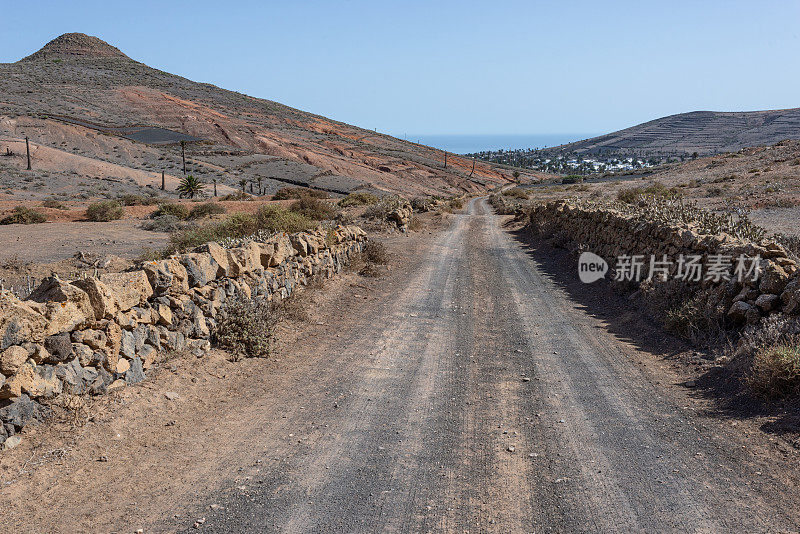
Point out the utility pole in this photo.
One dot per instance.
(28, 150)
(473, 168)
(163, 182)
(215, 187)
(445, 160)
(183, 156)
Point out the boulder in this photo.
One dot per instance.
(773, 279)
(19, 321)
(218, 256)
(738, 311)
(791, 297)
(167, 277)
(22, 411)
(767, 302)
(64, 305)
(135, 372)
(60, 348)
(35, 380)
(244, 259)
(164, 314)
(11, 359)
(200, 268)
(100, 295)
(130, 288)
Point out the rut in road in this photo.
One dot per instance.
(411, 421)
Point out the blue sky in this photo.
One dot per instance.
(455, 67)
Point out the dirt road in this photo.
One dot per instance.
(482, 400)
(475, 396)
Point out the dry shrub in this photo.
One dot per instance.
(358, 199)
(23, 215)
(416, 224)
(313, 208)
(206, 209)
(296, 193)
(775, 372)
(104, 211)
(246, 327)
(54, 204)
(176, 210)
(375, 252)
(516, 192)
(632, 195)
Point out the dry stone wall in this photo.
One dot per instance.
(95, 334)
(611, 233)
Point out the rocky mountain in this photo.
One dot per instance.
(704, 132)
(92, 111)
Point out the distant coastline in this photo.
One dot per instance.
(470, 143)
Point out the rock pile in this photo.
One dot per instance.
(89, 335)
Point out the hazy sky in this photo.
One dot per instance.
(433, 67)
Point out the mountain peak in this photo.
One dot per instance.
(76, 45)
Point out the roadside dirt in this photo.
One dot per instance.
(468, 389)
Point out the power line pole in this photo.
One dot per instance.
(183, 156)
(445, 160)
(28, 150)
(163, 182)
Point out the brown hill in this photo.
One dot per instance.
(704, 132)
(92, 110)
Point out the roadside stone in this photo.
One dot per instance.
(164, 315)
(22, 411)
(12, 442)
(130, 288)
(59, 347)
(773, 279)
(200, 268)
(738, 311)
(218, 256)
(64, 306)
(767, 302)
(101, 297)
(19, 321)
(127, 344)
(122, 366)
(100, 384)
(135, 373)
(11, 359)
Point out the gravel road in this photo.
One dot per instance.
(482, 399)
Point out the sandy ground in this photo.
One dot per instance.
(470, 388)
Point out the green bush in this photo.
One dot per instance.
(572, 179)
(246, 327)
(206, 209)
(358, 199)
(295, 193)
(313, 208)
(23, 215)
(176, 210)
(104, 211)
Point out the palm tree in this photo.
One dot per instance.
(260, 180)
(243, 182)
(190, 186)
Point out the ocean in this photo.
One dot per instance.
(466, 144)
